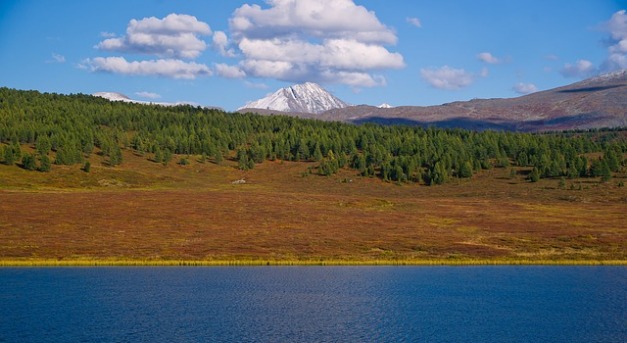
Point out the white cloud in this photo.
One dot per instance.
(582, 68)
(525, 88)
(617, 50)
(316, 18)
(105, 34)
(148, 95)
(164, 67)
(231, 72)
(617, 27)
(488, 58)
(56, 58)
(176, 35)
(312, 40)
(221, 43)
(447, 77)
(414, 21)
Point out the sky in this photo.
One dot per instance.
(227, 53)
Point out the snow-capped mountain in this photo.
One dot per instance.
(308, 97)
(114, 96)
(385, 105)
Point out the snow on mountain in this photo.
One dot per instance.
(308, 97)
(385, 105)
(618, 75)
(114, 96)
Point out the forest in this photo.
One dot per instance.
(67, 129)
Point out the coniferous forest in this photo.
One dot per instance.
(66, 129)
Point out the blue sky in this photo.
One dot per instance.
(226, 53)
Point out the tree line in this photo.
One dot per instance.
(66, 129)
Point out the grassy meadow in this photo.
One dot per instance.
(144, 213)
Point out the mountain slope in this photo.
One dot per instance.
(593, 103)
(308, 97)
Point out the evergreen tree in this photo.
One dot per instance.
(28, 162)
(167, 156)
(9, 157)
(116, 156)
(217, 157)
(158, 158)
(44, 163)
(534, 176)
(243, 161)
(466, 170)
(43, 145)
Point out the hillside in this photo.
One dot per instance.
(146, 213)
(593, 103)
(84, 180)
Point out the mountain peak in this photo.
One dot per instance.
(306, 97)
(113, 96)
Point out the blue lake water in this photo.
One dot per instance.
(314, 304)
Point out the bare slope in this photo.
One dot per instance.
(592, 103)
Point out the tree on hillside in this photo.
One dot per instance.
(44, 163)
(43, 145)
(534, 176)
(28, 162)
(465, 171)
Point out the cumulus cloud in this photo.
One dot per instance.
(231, 72)
(414, 21)
(616, 52)
(447, 77)
(221, 43)
(106, 34)
(488, 58)
(617, 27)
(316, 18)
(525, 88)
(312, 40)
(581, 69)
(174, 68)
(148, 95)
(176, 35)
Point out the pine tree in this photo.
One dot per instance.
(43, 145)
(466, 170)
(28, 162)
(535, 175)
(167, 156)
(44, 163)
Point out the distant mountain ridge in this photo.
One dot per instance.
(592, 103)
(115, 96)
(308, 97)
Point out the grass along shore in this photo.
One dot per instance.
(219, 263)
(139, 215)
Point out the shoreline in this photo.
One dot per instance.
(251, 263)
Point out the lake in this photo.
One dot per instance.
(314, 304)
